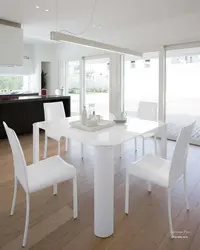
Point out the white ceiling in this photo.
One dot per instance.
(141, 25)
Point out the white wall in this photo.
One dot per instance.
(28, 64)
(70, 52)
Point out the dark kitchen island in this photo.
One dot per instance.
(21, 113)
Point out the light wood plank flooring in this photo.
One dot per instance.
(51, 223)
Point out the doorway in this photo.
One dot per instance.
(97, 82)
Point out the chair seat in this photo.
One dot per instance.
(54, 137)
(47, 172)
(151, 168)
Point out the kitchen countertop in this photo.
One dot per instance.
(6, 94)
(33, 98)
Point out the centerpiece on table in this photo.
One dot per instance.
(91, 122)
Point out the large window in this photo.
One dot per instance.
(97, 84)
(17, 83)
(183, 95)
(141, 83)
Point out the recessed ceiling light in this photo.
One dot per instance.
(37, 7)
(46, 10)
(94, 25)
(100, 27)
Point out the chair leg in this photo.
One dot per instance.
(170, 214)
(149, 186)
(45, 146)
(27, 220)
(58, 147)
(75, 198)
(14, 196)
(155, 145)
(127, 193)
(143, 147)
(82, 151)
(135, 144)
(185, 189)
(55, 189)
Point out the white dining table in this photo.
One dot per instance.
(104, 142)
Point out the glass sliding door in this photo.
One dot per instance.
(97, 84)
(140, 83)
(74, 85)
(183, 94)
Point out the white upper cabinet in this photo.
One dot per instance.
(11, 46)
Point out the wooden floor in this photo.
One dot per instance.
(145, 228)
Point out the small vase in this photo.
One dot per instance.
(44, 92)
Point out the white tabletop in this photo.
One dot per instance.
(112, 136)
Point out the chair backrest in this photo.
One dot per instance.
(179, 159)
(147, 111)
(18, 157)
(54, 111)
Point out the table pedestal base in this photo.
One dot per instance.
(104, 192)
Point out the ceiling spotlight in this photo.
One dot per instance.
(37, 7)
(100, 27)
(94, 25)
(46, 10)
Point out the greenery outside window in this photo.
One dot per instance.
(11, 83)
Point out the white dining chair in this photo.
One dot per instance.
(147, 111)
(54, 111)
(38, 176)
(162, 172)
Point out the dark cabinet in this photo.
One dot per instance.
(22, 113)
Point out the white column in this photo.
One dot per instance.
(37, 76)
(162, 85)
(162, 100)
(65, 78)
(54, 76)
(82, 84)
(117, 84)
(62, 73)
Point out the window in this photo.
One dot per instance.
(17, 83)
(10, 83)
(140, 83)
(97, 84)
(182, 95)
(74, 77)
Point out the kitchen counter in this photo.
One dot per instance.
(21, 113)
(14, 96)
(23, 98)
